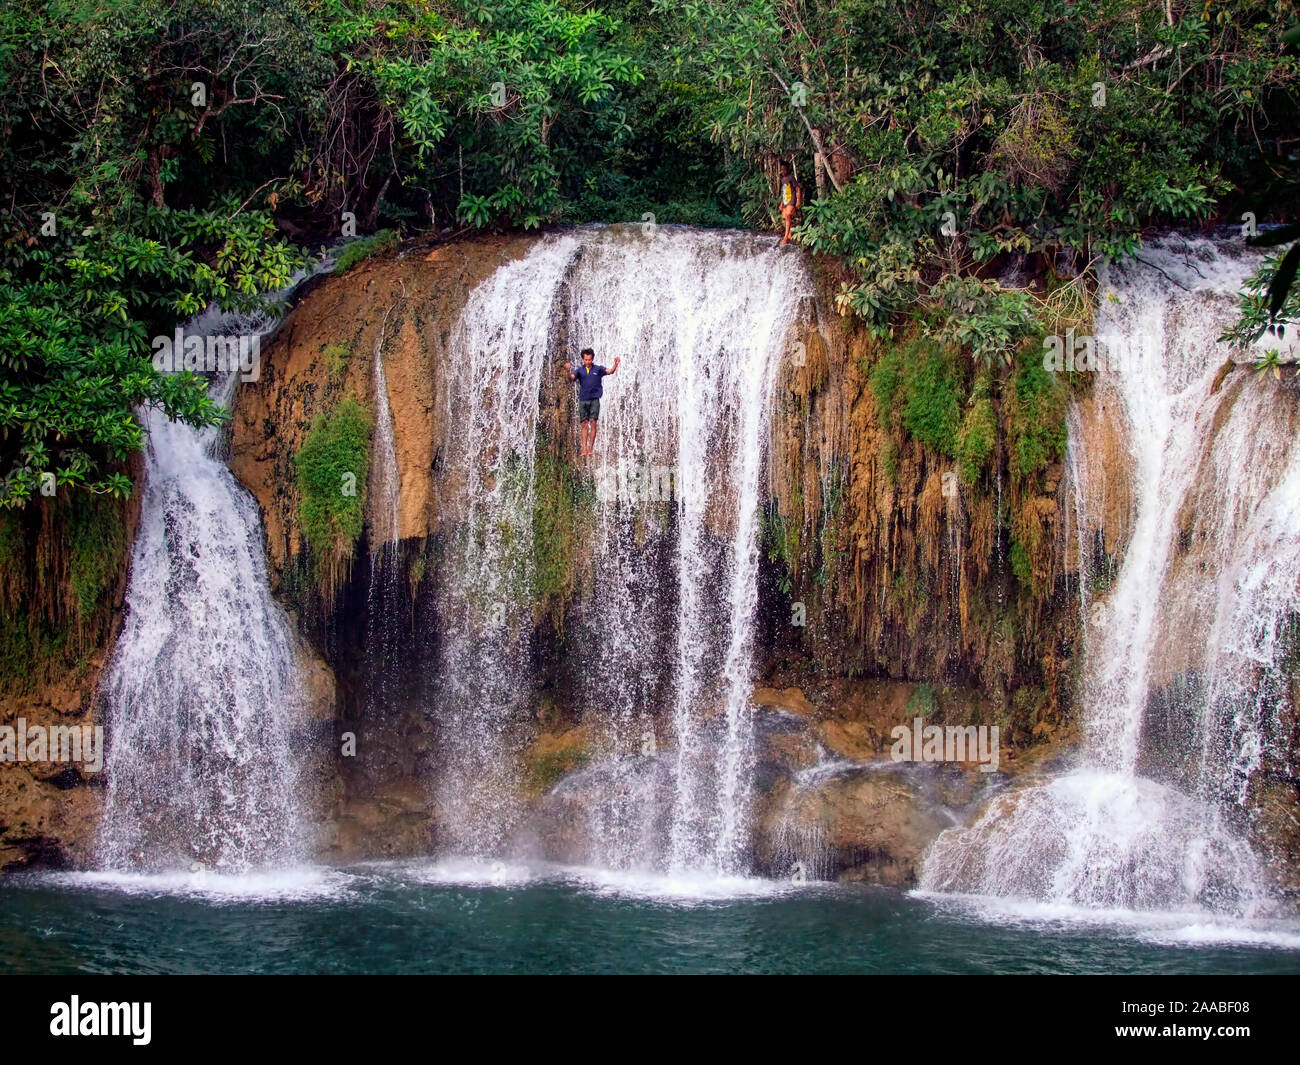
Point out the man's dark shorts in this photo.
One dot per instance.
(588, 410)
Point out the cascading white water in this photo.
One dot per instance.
(499, 348)
(700, 322)
(202, 693)
(386, 598)
(385, 488)
(1194, 621)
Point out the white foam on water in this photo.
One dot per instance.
(1213, 935)
(473, 872)
(1101, 839)
(308, 883)
(1187, 928)
(677, 888)
(454, 871)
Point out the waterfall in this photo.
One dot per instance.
(668, 513)
(702, 322)
(385, 487)
(202, 692)
(1183, 677)
(387, 599)
(499, 348)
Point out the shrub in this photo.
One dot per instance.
(931, 412)
(1036, 147)
(333, 464)
(1036, 404)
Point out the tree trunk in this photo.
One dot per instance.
(155, 178)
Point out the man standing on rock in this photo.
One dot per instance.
(590, 389)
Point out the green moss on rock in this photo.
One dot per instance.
(333, 465)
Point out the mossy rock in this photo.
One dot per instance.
(553, 755)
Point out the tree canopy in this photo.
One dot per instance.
(160, 155)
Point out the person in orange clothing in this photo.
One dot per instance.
(791, 198)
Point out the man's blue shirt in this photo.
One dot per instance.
(589, 386)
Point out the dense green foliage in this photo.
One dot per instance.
(95, 261)
(157, 155)
(1054, 129)
(333, 465)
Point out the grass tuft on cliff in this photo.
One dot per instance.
(558, 489)
(1036, 404)
(918, 385)
(333, 465)
(363, 248)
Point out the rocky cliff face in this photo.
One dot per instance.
(897, 582)
(64, 578)
(889, 591)
(903, 570)
(326, 350)
(49, 811)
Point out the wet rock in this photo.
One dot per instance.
(1276, 831)
(45, 822)
(50, 810)
(867, 823)
(613, 813)
(784, 744)
(552, 755)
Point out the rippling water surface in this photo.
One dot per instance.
(476, 917)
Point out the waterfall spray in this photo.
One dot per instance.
(1189, 635)
(701, 322)
(202, 693)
